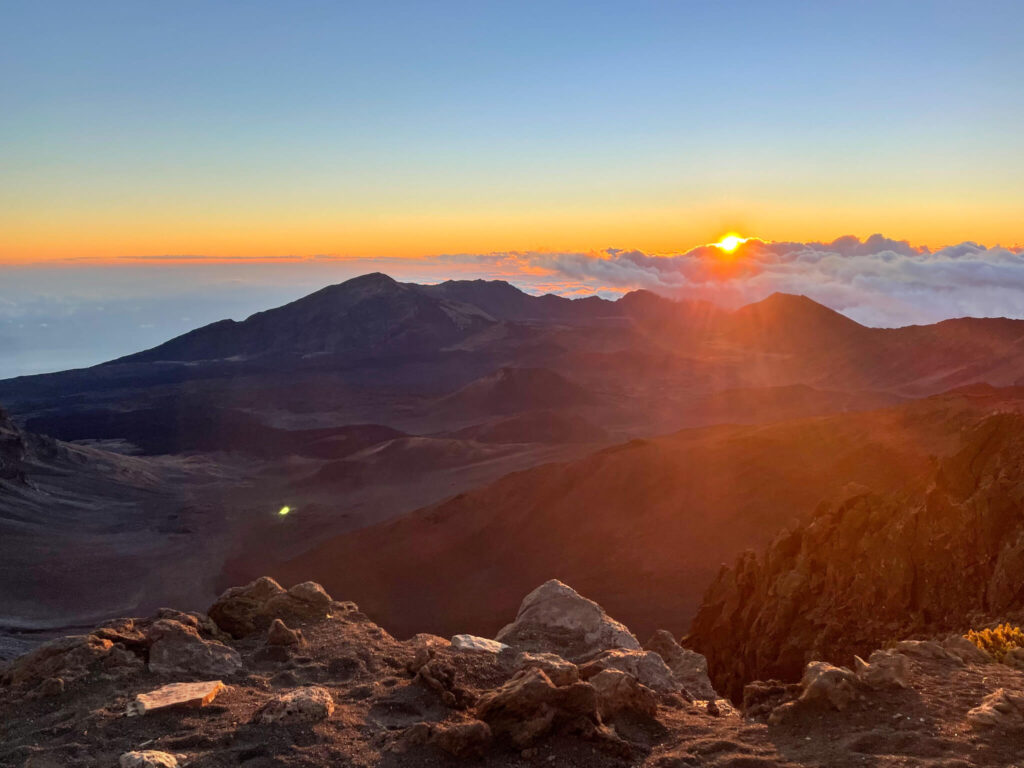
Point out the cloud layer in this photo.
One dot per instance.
(876, 281)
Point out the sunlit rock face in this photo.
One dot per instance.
(869, 568)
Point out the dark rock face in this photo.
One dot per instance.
(868, 569)
(12, 450)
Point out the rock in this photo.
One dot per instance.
(50, 687)
(1014, 658)
(240, 611)
(618, 691)
(1002, 709)
(474, 643)
(688, 667)
(712, 708)
(824, 683)
(762, 697)
(926, 649)
(176, 695)
(555, 618)
(280, 634)
(464, 740)
(66, 657)
(529, 705)
(883, 669)
(968, 652)
(868, 566)
(178, 649)
(149, 758)
(426, 640)
(558, 670)
(646, 666)
(441, 676)
(303, 706)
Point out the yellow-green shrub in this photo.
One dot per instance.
(997, 641)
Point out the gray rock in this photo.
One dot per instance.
(555, 618)
(647, 667)
(303, 706)
(688, 667)
(148, 758)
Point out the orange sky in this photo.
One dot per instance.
(116, 235)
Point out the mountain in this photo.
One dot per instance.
(367, 316)
(643, 526)
(870, 566)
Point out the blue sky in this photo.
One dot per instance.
(246, 132)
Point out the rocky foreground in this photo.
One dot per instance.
(274, 677)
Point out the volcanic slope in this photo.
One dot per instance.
(644, 526)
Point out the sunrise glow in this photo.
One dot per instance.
(730, 242)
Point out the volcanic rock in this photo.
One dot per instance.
(688, 667)
(883, 669)
(178, 649)
(618, 691)
(303, 706)
(868, 567)
(1001, 709)
(175, 695)
(558, 670)
(474, 643)
(280, 634)
(554, 617)
(647, 667)
(67, 657)
(529, 705)
(240, 611)
(148, 758)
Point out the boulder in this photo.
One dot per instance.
(529, 706)
(68, 658)
(148, 758)
(688, 667)
(1002, 710)
(463, 740)
(558, 670)
(827, 684)
(926, 649)
(303, 706)
(647, 667)
(178, 649)
(280, 634)
(1014, 658)
(618, 691)
(968, 652)
(479, 644)
(883, 669)
(555, 618)
(240, 611)
(197, 695)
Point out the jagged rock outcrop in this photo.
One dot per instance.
(867, 569)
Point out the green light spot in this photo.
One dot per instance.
(284, 511)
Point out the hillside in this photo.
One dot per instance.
(644, 527)
(870, 566)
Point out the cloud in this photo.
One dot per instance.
(876, 281)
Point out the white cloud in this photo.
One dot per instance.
(876, 281)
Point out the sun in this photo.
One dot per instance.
(730, 242)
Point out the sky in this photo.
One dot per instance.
(163, 165)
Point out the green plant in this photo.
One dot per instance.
(997, 641)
